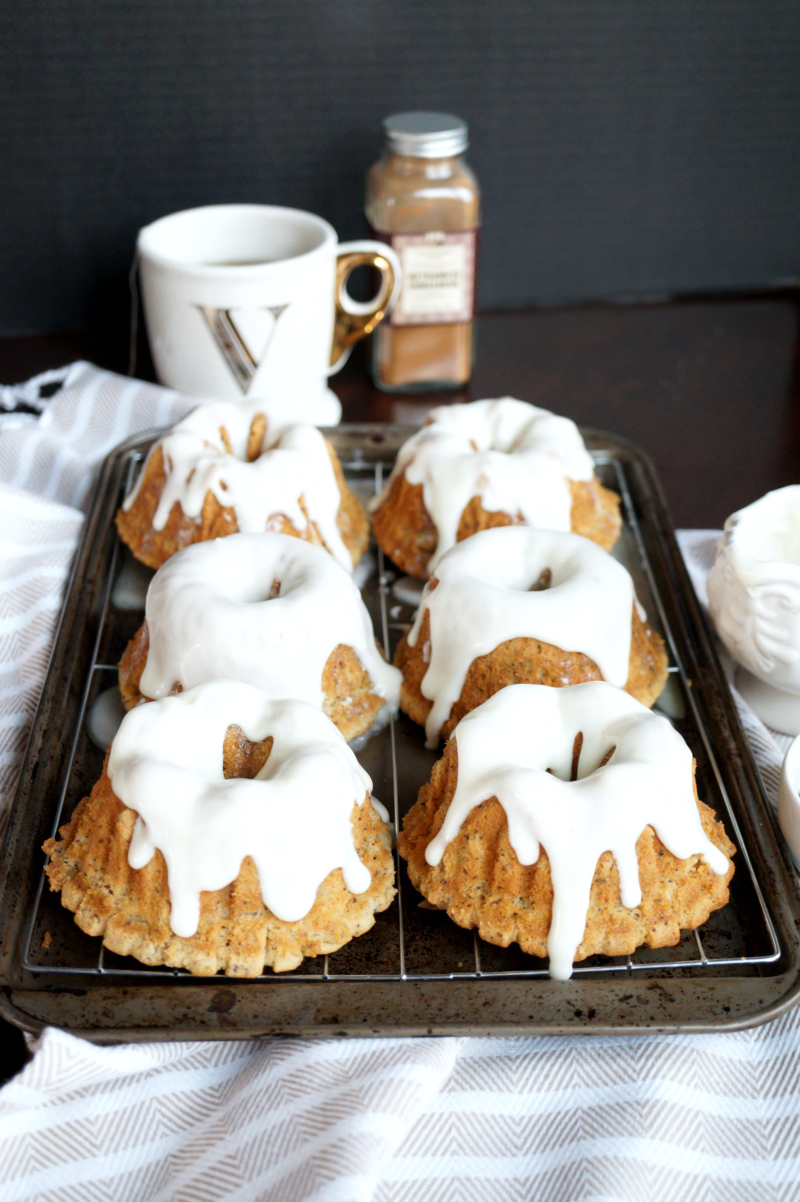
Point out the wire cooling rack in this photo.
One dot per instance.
(410, 942)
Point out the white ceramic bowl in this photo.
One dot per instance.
(754, 599)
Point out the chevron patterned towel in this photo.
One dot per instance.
(644, 1118)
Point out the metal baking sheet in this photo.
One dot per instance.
(415, 972)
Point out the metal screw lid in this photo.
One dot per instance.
(426, 135)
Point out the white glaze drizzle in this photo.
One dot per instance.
(293, 818)
(482, 599)
(505, 747)
(293, 462)
(211, 613)
(516, 457)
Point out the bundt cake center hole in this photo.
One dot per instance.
(576, 755)
(606, 758)
(577, 746)
(274, 590)
(242, 759)
(544, 581)
(577, 743)
(255, 441)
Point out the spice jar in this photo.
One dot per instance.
(423, 200)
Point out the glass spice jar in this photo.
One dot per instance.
(423, 200)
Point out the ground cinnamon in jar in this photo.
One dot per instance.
(423, 200)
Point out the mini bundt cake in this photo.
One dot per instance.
(227, 832)
(267, 609)
(515, 605)
(484, 464)
(223, 469)
(567, 821)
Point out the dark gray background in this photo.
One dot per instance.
(626, 148)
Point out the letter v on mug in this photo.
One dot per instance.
(251, 301)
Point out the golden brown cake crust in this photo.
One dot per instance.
(595, 512)
(155, 547)
(349, 701)
(481, 883)
(528, 661)
(404, 530)
(130, 907)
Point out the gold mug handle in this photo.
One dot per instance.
(356, 319)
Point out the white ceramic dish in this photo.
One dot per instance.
(754, 599)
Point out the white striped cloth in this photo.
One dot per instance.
(635, 1118)
(56, 452)
(55, 432)
(37, 543)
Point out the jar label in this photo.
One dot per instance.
(438, 277)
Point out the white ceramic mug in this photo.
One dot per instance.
(251, 300)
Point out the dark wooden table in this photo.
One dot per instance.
(709, 388)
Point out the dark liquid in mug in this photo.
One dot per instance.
(238, 262)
